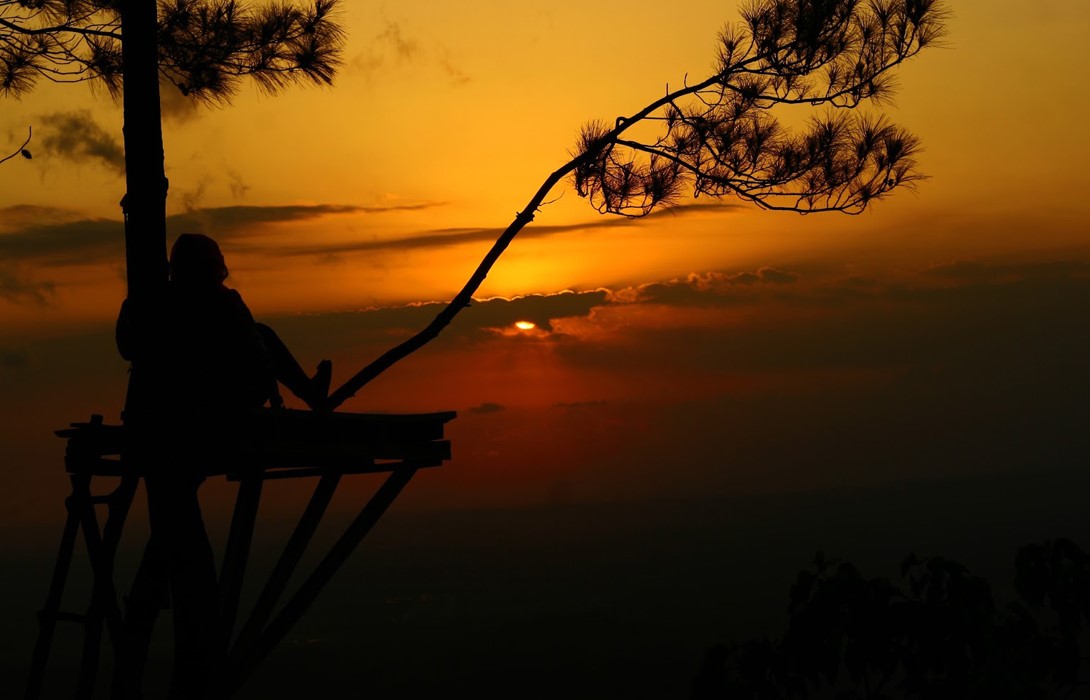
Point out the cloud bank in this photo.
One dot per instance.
(75, 136)
(42, 236)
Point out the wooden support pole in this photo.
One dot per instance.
(236, 554)
(104, 605)
(47, 616)
(286, 565)
(118, 504)
(298, 604)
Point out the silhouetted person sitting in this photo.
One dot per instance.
(203, 347)
(200, 365)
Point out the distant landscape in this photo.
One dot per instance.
(597, 600)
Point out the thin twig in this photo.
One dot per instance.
(20, 150)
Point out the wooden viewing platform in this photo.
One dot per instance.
(270, 444)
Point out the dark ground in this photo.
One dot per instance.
(580, 601)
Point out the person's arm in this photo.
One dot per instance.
(254, 349)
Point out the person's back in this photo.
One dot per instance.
(216, 362)
(198, 357)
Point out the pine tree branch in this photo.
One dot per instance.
(59, 29)
(727, 148)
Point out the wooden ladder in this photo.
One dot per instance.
(101, 543)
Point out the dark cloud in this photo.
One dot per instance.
(176, 107)
(238, 186)
(404, 48)
(59, 237)
(487, 407)
(914, 378)
(379, 328)
(475, 321)
(999, 320)
(540, 309)
(457, 75)
(46, 236)
(394, 47)
(929, 375)
(673, 212)
(975, 271)
(76, 137)
(65, 243)
(580, 404)
(16, 287)
(479, 320)
(191, 198)
(708, 288)
(20, 216)
(234, 220)
(436, 238)
(389, 46)
(773, 276)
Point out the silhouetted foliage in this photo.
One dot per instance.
(205, 46)
(937, 636)
(718, 137)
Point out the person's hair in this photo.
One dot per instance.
(196, 259)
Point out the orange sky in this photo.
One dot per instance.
(443, 122)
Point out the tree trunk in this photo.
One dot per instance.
(144, 203)
(145, 179)
(144, 206)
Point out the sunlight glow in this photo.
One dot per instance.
(524, 325)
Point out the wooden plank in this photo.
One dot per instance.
(310, 472)
(284, 438)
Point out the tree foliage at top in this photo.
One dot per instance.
(205, 46)
(720, 137)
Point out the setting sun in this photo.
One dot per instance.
(524, 325)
